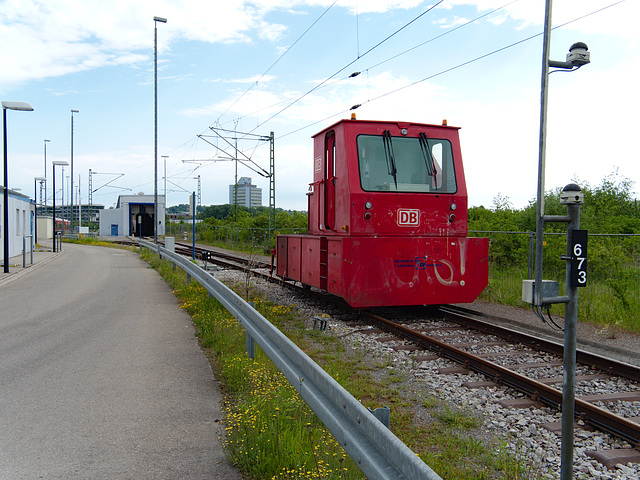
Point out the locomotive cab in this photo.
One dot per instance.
(387, 213)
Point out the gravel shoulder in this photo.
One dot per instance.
(519, 430)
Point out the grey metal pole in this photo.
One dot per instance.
(165, 180)
(155, 130)
(5, 228)
(45, 172)
(235, 195)
(542, 154)
(569, 357)
(54, 208)
(71, 195)
(35, 207)
(5, 203)
(193, 223)
(62, 212)
(155, 126)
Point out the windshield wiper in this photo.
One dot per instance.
(428, 157)
(388, 153)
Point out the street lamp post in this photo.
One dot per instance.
(35, 201)
(45, 173)
(55, 163)
(71, 196)
(155, 108)
(25, 107)
(63, 214)
(577, 57)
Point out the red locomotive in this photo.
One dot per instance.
(387, 218)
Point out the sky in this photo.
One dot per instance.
(248, 68)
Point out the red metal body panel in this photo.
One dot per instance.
(281, 256)
(376, 241)
(413, 271)
(294, 258)
(387, 271)
(310, 267)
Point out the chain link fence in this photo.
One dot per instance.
(232, 237)
(612, 294)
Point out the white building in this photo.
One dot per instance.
(21, 222)
(247, 194)
(133, 216)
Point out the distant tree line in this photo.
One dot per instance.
(254, 217)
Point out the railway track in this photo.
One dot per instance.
(530, 366)
(503, 356)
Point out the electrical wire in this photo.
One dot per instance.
(393, 57)
(349, 64)
(537, 310)
(400, 54)
(278, 59)
(324, 83)
(460, 65)
(444, 34)
(388, 59)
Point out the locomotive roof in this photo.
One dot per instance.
(383, 122)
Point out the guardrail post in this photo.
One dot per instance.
(250, 344)
(383, 414)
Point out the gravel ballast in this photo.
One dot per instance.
(522, 429)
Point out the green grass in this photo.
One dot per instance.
(270, 431)
(272, 434)
(612, 303)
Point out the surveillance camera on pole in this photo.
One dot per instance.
(577, 57)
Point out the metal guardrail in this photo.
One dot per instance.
(373, 447)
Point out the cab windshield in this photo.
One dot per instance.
(405, 164)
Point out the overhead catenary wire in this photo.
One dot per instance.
(324, 82)
(351, 63)
(465, 24)
(323, 85)
(481, 57)
(278, 59)
(455, 67)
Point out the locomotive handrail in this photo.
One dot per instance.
(372, 446)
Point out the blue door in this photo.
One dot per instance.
(114, 230)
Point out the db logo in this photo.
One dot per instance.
(410, 217)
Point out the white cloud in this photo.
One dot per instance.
(620, 19)
(498, 111)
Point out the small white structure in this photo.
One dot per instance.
(21, 222)
(133, 216)
(45, 227)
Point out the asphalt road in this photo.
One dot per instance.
(101, 376)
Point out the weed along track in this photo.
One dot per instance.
(607, 396)
(452, 366)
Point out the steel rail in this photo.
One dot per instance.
(372, 446)
(609, 365)
(246, 261)
(597, 417)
